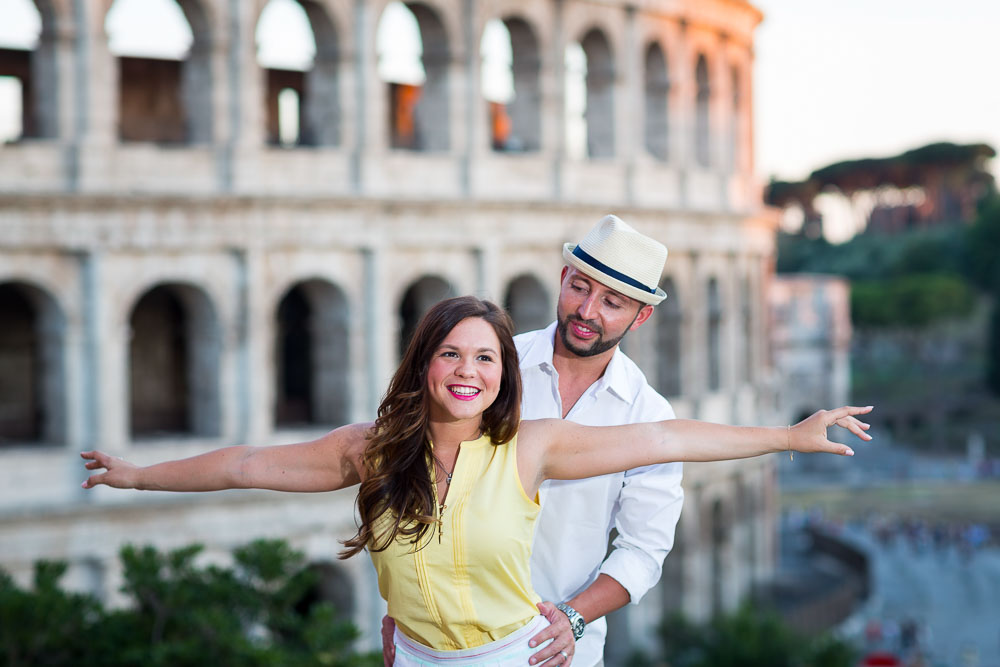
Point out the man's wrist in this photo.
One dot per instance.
(576, 622)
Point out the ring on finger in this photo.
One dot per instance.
(564, 654)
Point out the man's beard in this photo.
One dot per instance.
(599, 346)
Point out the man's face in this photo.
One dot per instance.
(592, 317)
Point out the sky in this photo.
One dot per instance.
(842, 79)
(833, 79)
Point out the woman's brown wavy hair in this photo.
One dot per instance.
(397, 457)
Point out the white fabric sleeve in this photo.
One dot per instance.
(647, 512)
(646, 515)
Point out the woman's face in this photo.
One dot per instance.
(463, 377)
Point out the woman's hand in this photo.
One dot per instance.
(120, 473)
(809, 435)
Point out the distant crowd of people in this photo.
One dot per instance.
(963, 537)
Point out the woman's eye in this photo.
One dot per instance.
(485, 357)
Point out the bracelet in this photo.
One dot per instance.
(788, 442)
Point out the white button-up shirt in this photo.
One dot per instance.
(577, 516)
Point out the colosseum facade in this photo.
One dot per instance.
(179, 273)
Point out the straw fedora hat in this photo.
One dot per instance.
(620, 257)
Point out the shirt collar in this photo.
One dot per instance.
(615, 378)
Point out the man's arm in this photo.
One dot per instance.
(648, 508)
(601, 598)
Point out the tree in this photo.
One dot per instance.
(181, 614)
(749, 638)
(45, 626)
(984, 268)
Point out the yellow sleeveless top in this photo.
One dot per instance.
(469, 583)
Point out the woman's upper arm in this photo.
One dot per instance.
(328, 463)
(566, 450)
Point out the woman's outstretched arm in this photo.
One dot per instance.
(325, 464)
(564, 450)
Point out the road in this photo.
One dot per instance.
(954, 597)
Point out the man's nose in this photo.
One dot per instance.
(588, 309)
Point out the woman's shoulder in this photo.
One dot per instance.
(532, 432)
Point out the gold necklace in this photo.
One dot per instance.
(441, 506)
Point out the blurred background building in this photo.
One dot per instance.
(207, 249)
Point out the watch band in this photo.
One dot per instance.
(576, 622)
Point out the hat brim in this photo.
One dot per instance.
(609, 281)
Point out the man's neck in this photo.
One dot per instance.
(576, 373)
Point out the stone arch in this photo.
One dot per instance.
(312, 355)
(516, 123)
(165, 99)
(419, 114)
(674, 578)
(600, 114)
(747, 509)
(174, 362)
(714, 347)
(312, 79)
(702, 113)
(528, 303)
(669, 341)
(32, 366)
(334, 586)
(656, 127)
(417, 300)
(27, 74)
(719, 539)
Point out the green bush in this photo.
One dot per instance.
(910, 301)
(180, 614)
(750, 638)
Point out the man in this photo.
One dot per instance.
(574, 370)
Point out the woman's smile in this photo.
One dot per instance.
(464, 392)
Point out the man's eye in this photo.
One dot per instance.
(612, 304)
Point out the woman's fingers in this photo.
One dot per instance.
(93, 481)
(833, 416)
(97, 460)
(855, 426)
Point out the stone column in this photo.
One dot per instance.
(470, 98)
(377, 321)
(681, 105)
(253, 336)
(553, 94)
(630, 102)
(242, 132)
(95, 100)
(53, 66)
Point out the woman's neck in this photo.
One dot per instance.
(448, 435)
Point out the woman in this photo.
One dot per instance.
(449, 480)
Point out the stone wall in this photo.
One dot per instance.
(222, 289)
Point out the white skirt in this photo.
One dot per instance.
(509, 651)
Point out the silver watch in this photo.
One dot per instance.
(576, 622)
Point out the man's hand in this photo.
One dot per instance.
(388, 645)
(560, 651)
